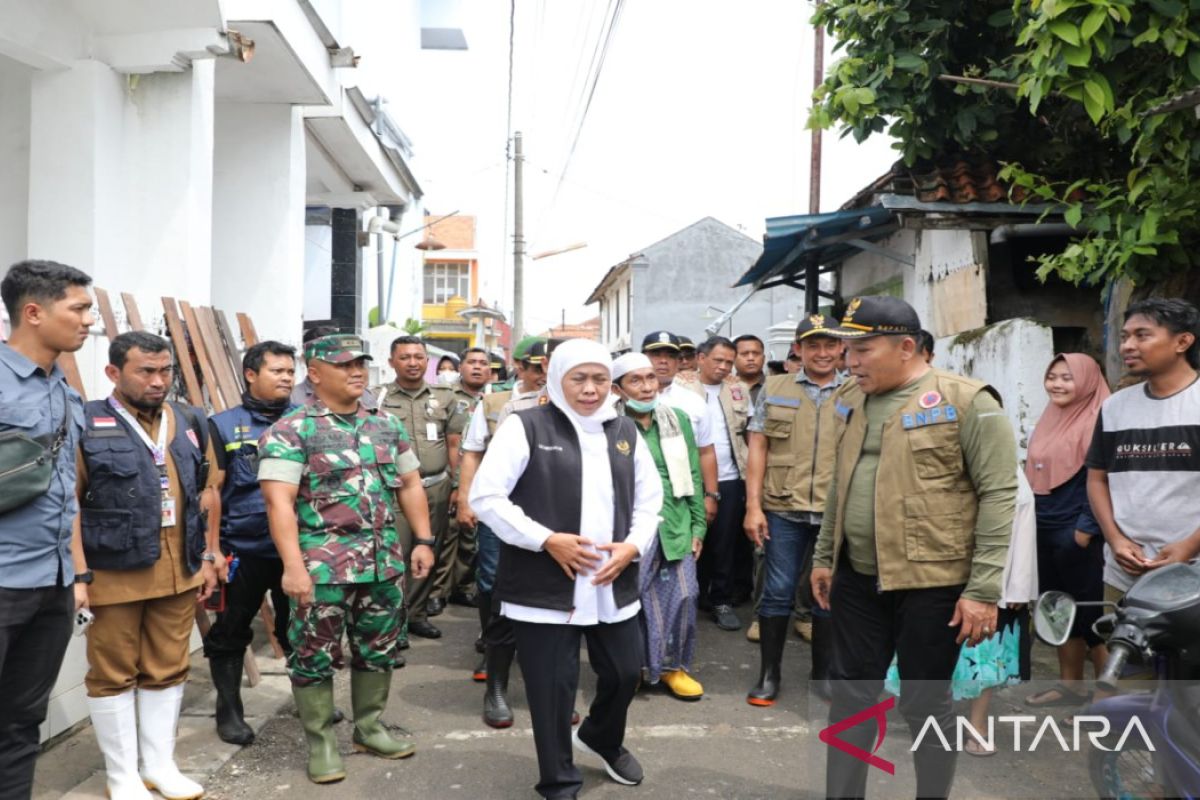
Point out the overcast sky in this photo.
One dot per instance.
(699, 111)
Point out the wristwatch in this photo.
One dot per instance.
(714, 495)
(84, 577)
(209, 557)
(425, 542)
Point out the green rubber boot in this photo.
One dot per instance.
(369, 695)
(314, 704)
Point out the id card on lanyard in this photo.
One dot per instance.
(158, 450)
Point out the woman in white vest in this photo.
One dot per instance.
(573, 494)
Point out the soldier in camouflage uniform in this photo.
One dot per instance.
(429, 412)
(337, 479)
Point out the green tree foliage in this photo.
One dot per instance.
(1062, 92)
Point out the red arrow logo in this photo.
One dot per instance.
(878, 712)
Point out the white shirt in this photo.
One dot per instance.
(693, 405)
(727, 469)
(503, 466)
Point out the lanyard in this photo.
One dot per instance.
(157, 449)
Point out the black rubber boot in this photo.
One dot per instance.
(496, 712)
(227, 679)
(772, 636)
(822, 641)
(485, 613)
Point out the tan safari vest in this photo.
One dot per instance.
(925, 504)
(735, 406)
(497, 407)
(801, 445)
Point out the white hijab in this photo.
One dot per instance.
(567, 356)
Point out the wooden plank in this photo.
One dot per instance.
(218, 356)
(70, 368)
(131, 312)
(106, 313)
(231, 347)
(249, 334)
(182, 354)
(206, 367)
(268, 618)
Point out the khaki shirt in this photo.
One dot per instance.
(169, 575)
(430, 414)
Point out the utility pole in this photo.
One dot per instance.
(518, 242)
(812, 273)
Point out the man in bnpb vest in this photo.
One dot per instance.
(336, 477)
(142, 467)
(788, 470)
(499, 643)
(435, 425)
(270, 370)
(915, 536)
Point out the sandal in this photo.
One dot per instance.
(1066, 697)
(973, 747)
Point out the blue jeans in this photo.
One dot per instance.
(783, 563)
(487, 557)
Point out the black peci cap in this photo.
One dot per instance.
(877, 315)
(660, 340)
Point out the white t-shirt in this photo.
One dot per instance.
(1150, 448)
(693, 405)
(727, 469)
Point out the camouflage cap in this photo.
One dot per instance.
(340, 348)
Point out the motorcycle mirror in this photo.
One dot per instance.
(1053, 616)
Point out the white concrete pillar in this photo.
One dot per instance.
(258, 216)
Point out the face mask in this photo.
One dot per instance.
(447, 378)
(641, 406)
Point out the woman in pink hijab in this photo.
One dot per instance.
(1070, 546)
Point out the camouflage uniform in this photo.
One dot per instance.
(425, 410)
(348, 517)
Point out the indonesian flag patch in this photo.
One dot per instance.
(104, 422)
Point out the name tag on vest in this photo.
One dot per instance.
(938, 415)
(786, 402)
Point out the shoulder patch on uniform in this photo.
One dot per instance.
(787, 402)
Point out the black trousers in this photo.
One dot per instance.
(721, 564)
(231, 634)
(35, 627)
(499, 629)
(549, 657)
(869, 626)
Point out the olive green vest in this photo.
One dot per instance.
(925, 503)
(801, 445)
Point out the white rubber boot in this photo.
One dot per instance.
(114, 719)
(158, 717)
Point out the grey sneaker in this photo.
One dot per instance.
(622, 769)
(725, 618)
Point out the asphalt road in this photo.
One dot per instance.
(718, 747)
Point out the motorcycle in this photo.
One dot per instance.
(1158, 624)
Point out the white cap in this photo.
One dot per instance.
(628, 363)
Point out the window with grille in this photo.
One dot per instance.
(446, 279)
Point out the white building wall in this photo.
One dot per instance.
(14, 160)
(1011, 356)
(258, 216)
